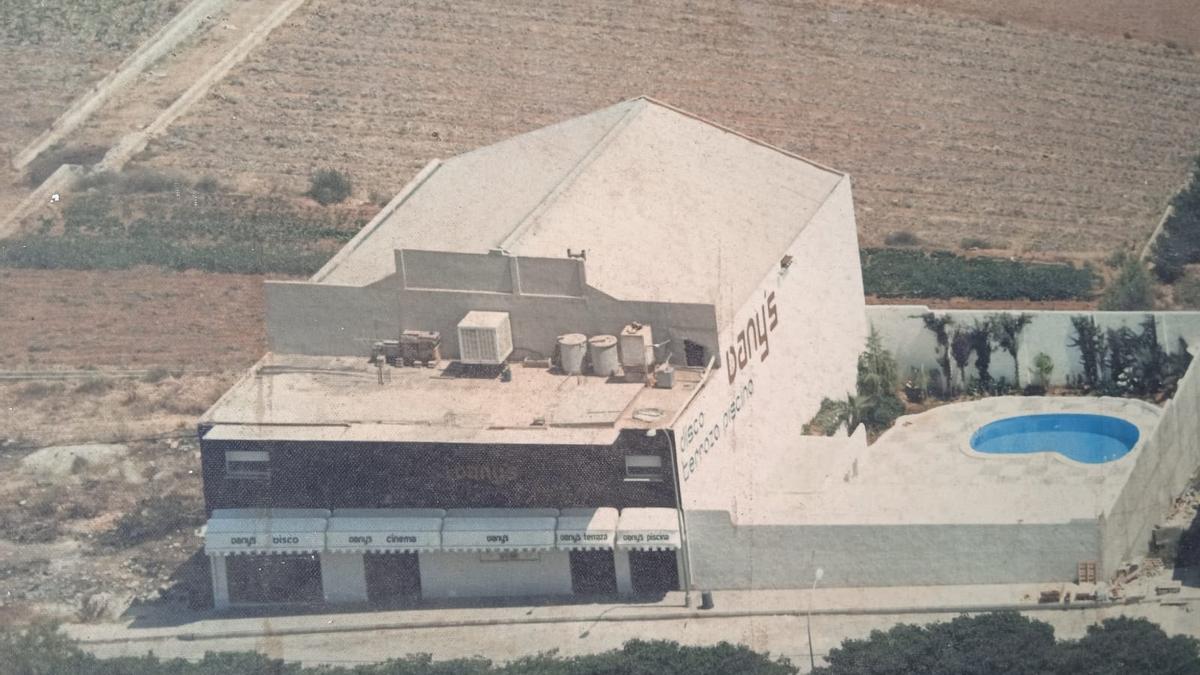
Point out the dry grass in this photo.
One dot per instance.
(105, 410)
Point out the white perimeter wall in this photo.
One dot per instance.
(786, 556)
(1167, 462)
(1050, 332)
(463, 575)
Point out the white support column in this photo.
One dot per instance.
(680, 570)
(343, 577)
(624, 576)
(220, 581)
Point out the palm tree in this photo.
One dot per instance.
(1006, 328)
(937, 325)
(849, 412)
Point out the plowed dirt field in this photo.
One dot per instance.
(952, 127)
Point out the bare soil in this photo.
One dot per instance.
(1156, 21)
(59, 546)
(140, 318)
(951, 126)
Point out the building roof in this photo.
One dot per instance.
(635, 185)
(319, 398)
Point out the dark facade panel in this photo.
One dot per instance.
(427, 475)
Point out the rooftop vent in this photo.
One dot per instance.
(484, 337)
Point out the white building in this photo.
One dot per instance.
(729, 269)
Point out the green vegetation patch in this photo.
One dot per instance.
(1179, 242)
(170, 224)
(116, 24)
(905, 273)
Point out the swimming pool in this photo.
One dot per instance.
(1086, 438)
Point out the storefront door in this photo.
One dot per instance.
(392, 578)
(653, 572)
(275, 578)
(593, 573)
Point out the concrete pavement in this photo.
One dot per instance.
(765, 620)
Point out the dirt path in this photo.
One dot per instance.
(146, 102)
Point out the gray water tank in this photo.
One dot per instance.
(571, 349)
(606, 360)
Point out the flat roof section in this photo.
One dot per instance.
(315, 398)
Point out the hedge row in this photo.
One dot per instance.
(44, 649)
(118, 253)
(906, 273)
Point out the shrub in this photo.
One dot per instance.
(1179, 242)
(877, 385)
(208, 184)
(329, 186)
(153, 518)
(906, 273)
(157, 374)
(1187, 294)
(1132, 290)
(34, 390)
(46, 163)
(902, 238)
(1043, 367)
(916, 389)
(149, 180)
(94, 386)
(969, 243)
(876, 404)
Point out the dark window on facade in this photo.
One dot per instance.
(693, 354)
(643, 467)
(251, 464)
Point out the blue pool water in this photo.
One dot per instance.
(1091, 439)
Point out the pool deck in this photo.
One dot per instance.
(923, 471)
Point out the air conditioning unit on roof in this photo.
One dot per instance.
(484, 337)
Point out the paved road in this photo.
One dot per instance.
(779, 635)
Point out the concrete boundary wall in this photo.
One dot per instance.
(1050, 332)
(1168, 460)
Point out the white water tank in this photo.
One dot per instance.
(637, 346)
(571, 349)
(605, 358)
(484, 337)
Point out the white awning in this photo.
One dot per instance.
(234, 531)
(586, 529)
(499, 529)
(648, 529)
(384, 530)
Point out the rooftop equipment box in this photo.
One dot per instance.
(484, 337)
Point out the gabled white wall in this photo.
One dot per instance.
(814, 318)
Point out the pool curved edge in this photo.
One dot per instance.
(967, 446)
